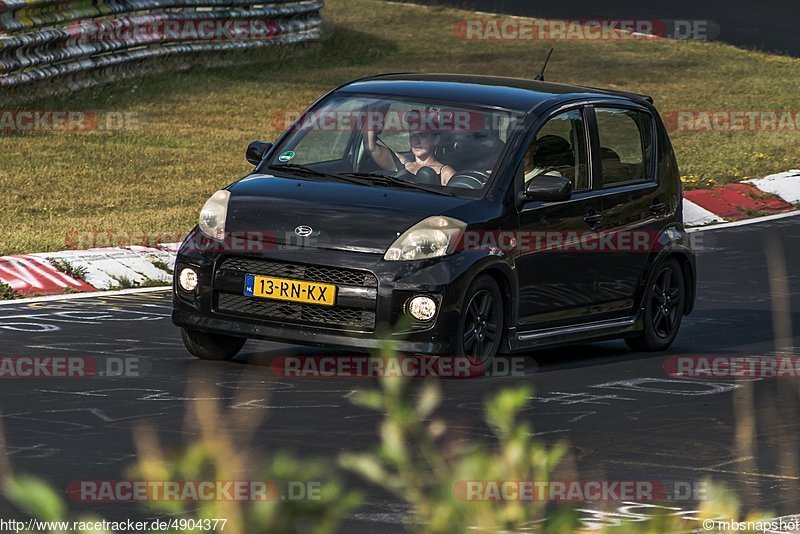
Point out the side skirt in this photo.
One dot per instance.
(595, 331)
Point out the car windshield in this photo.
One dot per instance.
(398, 142)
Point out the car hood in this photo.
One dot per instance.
(341, 216)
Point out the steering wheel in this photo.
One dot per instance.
(427, 176)
(403, 174)
(424, 176)
(469, 180)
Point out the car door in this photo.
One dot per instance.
(636, 208)
(557, 285)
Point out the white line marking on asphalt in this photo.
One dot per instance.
(93, 294)
(664, 386)
(40, 450)
(745, 222)
(546, 432)
(579, 417)
(664, 467)
(258, 404)
(578, 398)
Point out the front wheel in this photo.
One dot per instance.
(211, 346)
(481, 325)
(663, 308)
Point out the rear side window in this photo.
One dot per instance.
(626, 143)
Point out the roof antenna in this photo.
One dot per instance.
(540, 76)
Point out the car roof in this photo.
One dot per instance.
(516, 94)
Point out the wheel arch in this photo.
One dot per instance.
(690, 280)
(672, 242)
(506, 279)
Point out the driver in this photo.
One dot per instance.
(423, 144)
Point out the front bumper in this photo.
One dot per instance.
(370, 307)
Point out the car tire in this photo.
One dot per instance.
(211, 346)
(663, 308)
(480, 325)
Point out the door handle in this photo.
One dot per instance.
(657, 208)
(592, 218)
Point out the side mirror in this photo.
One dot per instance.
(256, 151)
(549, 188)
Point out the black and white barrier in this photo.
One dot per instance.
(45, 39)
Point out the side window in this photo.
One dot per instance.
(560, 149)
(626, 142)
(326, 134)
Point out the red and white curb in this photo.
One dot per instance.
(694, 215)
(775, 194)
(785, 184)
(33, 275)
(102, 269)
(30, 274)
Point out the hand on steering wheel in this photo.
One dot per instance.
(403, 174)
(398, 163)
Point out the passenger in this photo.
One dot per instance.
(540, 149)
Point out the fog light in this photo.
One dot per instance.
(188, 279)
(422, 308)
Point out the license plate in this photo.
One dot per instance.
(290, 290)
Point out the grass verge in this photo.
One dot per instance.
(188, 131)
(78, 272)
(7, 292)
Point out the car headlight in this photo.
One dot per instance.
(213, 215)
(431, 238)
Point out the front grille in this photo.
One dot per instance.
(314, 273)
(230, 276)
(359, 319)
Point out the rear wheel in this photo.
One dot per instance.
(481, 325)
(211, 346)
(663, 308)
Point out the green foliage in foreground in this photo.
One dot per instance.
(417, 459)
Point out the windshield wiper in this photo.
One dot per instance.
(298, 168)
(382, 179)
(308, 171)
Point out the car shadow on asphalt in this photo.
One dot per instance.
(722, 332)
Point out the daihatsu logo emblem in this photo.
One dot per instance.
(304, 231)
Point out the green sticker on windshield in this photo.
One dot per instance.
(286, 156)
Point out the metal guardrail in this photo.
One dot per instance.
(44, 39)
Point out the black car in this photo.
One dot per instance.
(453, 215)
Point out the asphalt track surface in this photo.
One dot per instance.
(767, 25)
(624, 417)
